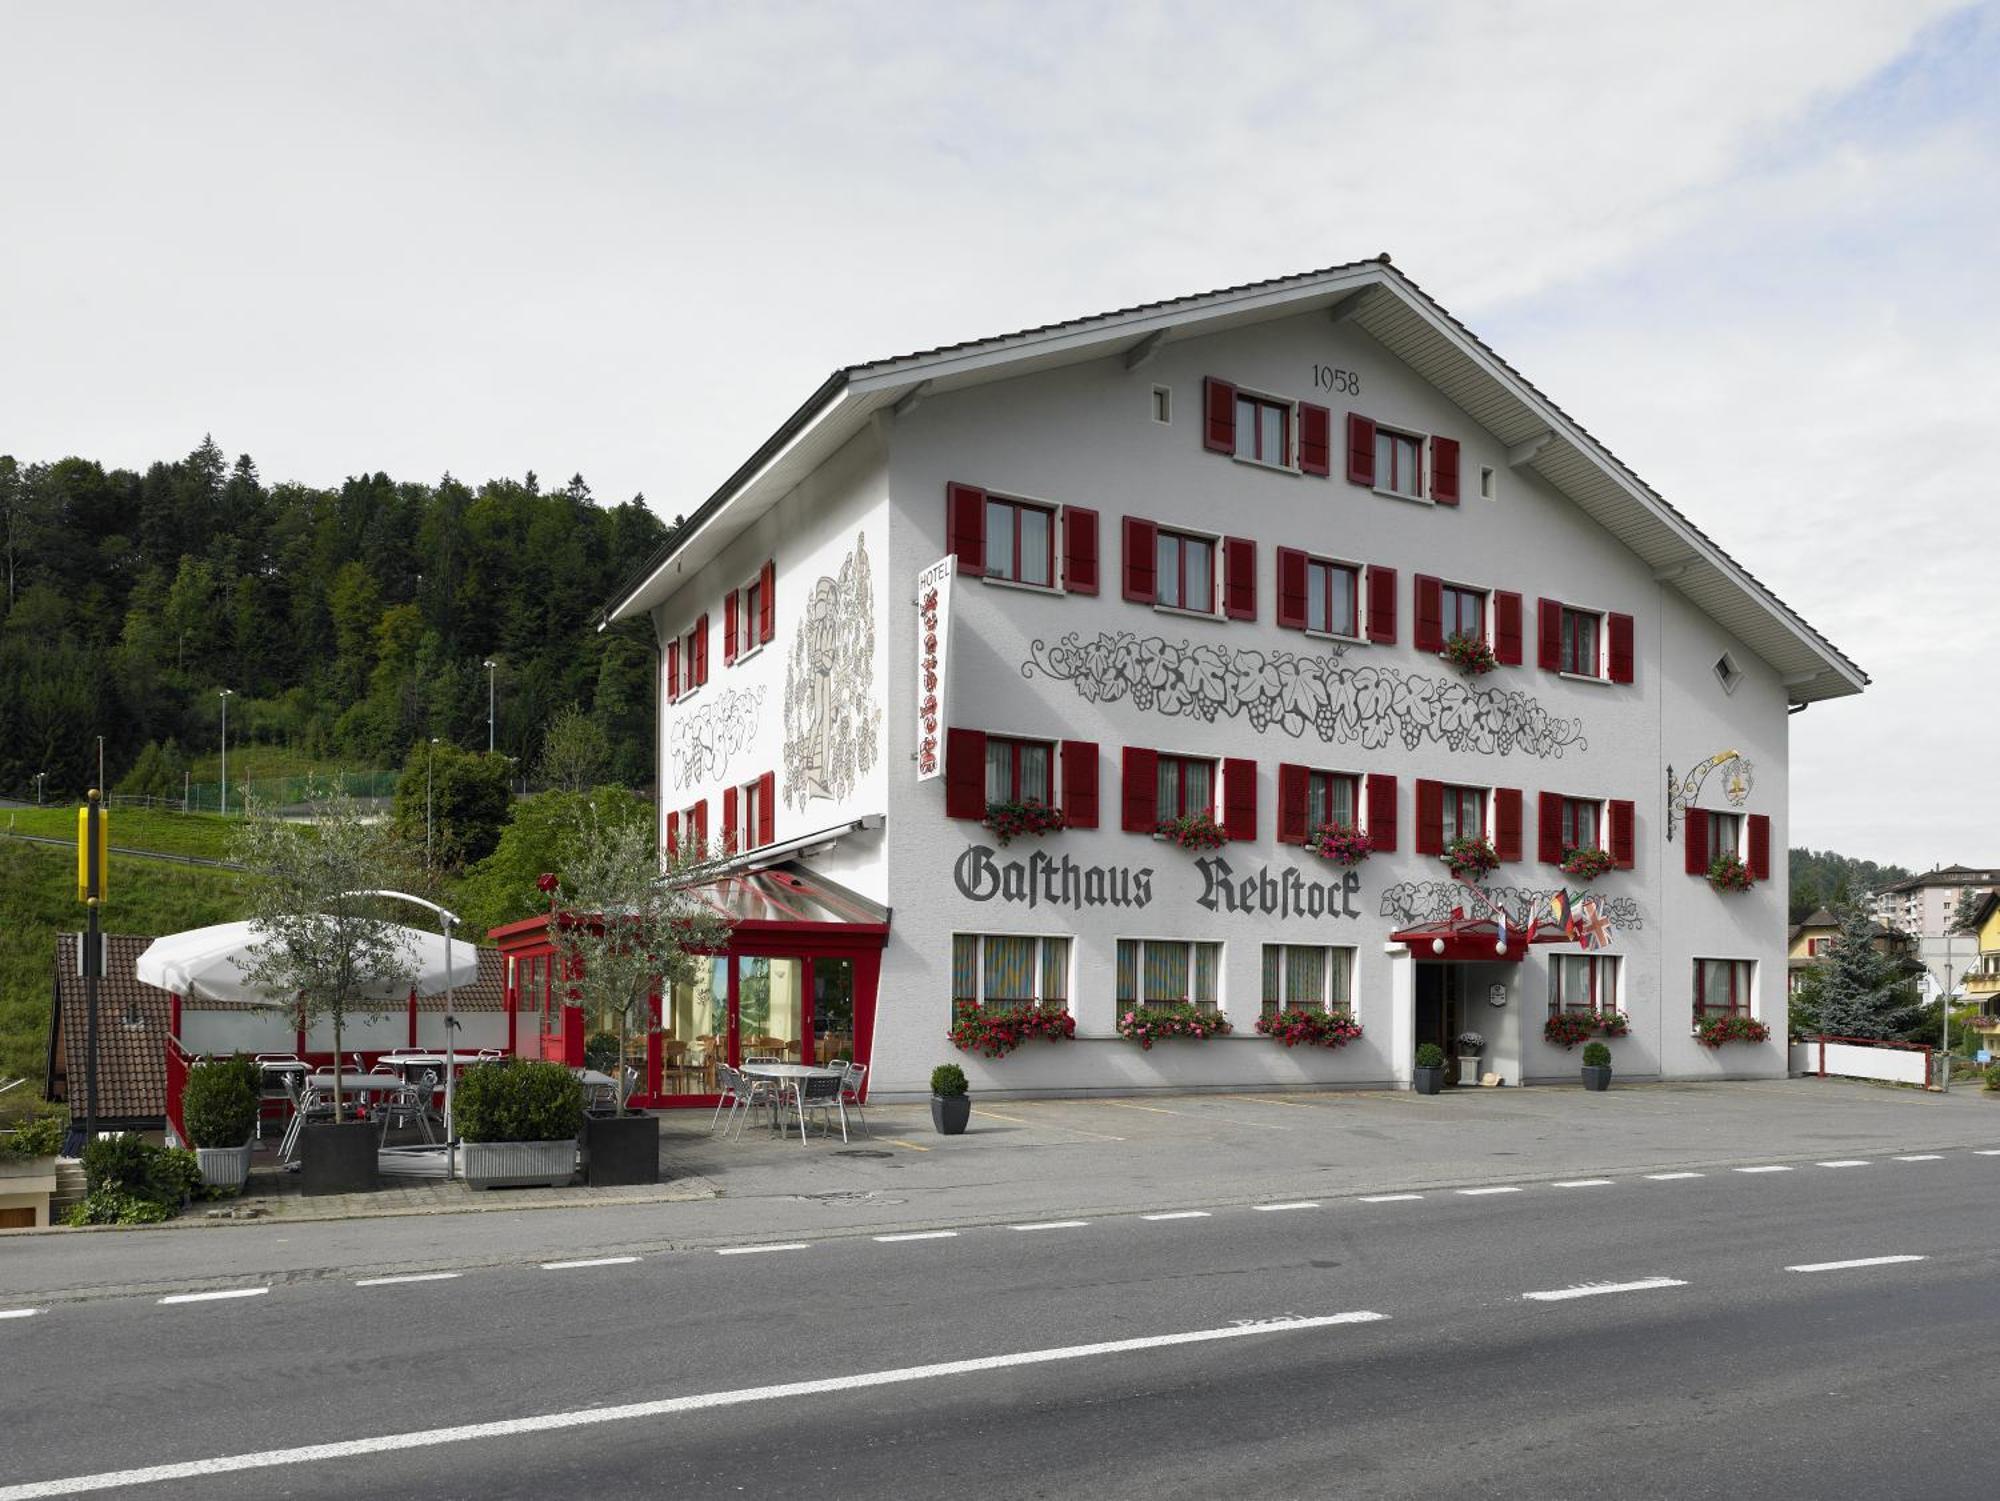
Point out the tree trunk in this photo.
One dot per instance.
(339, 1113)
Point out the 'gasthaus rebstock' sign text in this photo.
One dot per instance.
(1040, 879)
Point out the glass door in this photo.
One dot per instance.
(832, 1018)
(771, 1008)
(694, 1031)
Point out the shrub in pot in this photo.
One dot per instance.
(519, 1121)
(951, 1103)
(1596, 1066)
(219, 1109)
(1428, 1076)
(36, 1135)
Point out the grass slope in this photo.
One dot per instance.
(203, 834)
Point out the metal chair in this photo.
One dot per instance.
(855, 1075)
(410, 1103)
(309, 1106)
(821, 1093)
(726, 1082)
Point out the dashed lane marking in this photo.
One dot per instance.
(18, 1313)
(1986, 1151)
(918, 1235)
(216, 1297)
(783, 1245)
(1672, 1177)
(1599, 1289)
(1581, 1183)
(1923, 1157)
(1279, 1208)
(1391, 1198)
(1178, 1214)
(1859, 1261)
(1473, 1193)
(565, 1266)
(407, 1277)
(1769, 1167)
(1052, 1225)
(1845, 1162)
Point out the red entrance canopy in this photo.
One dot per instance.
(1470, 939)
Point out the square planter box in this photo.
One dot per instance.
(1596, 1078)
(949, 1113)
(519, 1164)
(1426, 1080)
(338, 1159)
(225, 1167)
(621, 1150)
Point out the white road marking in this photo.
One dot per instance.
(1052, 1225)
(1923, 1157)
(1774, 1167)
(1391, 1198)
(1582, 1183)
(18, 1313)
(1842, 1266)
(309, 1454)
(783, 1245)
(1276, 1208)
(227, 1292)
(564, 1266)
(1475, 1192)
(1986, 1151)
(918, 1235)
(1598, 1289)
(1672, 1177)
(1846, 1162)
(407, 1277)
(1178, 1214)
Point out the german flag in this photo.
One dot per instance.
(1562, 909)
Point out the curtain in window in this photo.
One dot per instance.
(1340, 994)
(1274, 963)
(964, 969)
(1010, 971)
(1168, 802)
(1166, 974)
(1198, 791)
(1035, 548)
(1128, 971)
(1055, 971)
(999, 770)
(1205, 957)
(1035, 773)
(1305, 976)
(1571, 974)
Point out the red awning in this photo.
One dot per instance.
(1470, 939)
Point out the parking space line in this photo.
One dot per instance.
(897, 1141)
(1198, 1115)
(1599, 1289)
(1859, 1261)
(1017, 1120)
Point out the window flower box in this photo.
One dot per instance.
(1585, 864)
(1729, 873)
(1010, 821)
(1469, 655)
(997, 1032)
(1471, 857)
(1147, 1025)
(1717, 1030)
(1613, 1024)
(1194, 831)
(1296, 1027)
(1339, 844)
(1565, 1029)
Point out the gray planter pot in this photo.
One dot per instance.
(518, 1164)
(949, 1113)
(1468, 1071)
(1596, 1078)
(338, 1159)
(225, 1167)
(621, 1150)
(1427, 1080)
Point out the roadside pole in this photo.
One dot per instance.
(93, 841)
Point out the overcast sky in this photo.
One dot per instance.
(1752, 247)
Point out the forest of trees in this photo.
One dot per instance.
(1824, 878)
(350, 622)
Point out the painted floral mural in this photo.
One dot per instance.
(1432, 901)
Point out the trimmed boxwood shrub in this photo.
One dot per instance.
(521, 1099)
(1596, 1055)
(219, 1105)
(948, 1081)
(1430, 1055)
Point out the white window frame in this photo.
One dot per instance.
(1163, 405)
(1422, 495)
(1343, 954)
(1602, 998)
(979, 965)
(1716, 848)
(1603, 672)
(689, 686)
(1216, 1006)
(744, 834)
(1291, 407)
(1749, 1007)
(1485, 811)
(1489, 483)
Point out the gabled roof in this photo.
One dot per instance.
(1949, 875)
(1396, 313)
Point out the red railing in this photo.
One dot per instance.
(177, 1077)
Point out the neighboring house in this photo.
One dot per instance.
(1813, 941)
(1927, 906)
(1982, 979)
(1210, 554)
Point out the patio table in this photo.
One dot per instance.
(789, 1077)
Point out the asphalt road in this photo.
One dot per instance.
(1702, 1334)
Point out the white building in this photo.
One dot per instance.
(1207, 554)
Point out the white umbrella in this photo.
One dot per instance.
(210, 962)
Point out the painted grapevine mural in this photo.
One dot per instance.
(701, 743)
(1412, 902)
(833, 725)
(1297, 692)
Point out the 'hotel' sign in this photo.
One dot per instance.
(933, 651)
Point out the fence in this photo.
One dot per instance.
(285, 792)
(1863, 1058)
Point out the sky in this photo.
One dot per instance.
(1750, 247)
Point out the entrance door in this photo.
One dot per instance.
(1436, 1004)
(771, 1008)
(832, 1017)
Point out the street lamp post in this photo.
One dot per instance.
(100, 763)
(41, 779)
(490, 666)
(225, 694)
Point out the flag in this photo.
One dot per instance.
(1559, 911)
(1534, 922)
(1593, 927)
(1500, 922)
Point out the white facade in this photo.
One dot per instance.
(849, 505)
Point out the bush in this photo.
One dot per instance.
(1993, 1077)
(948, 1081)
(107, 1206)
(38, 1135)
(600, 1051)
(1596, 1055)
(1430, 1055)
(133, 1182)
(219, 1106)
(522, 1099)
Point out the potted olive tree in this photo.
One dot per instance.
(627, 926)
(1471, 1048)
(219, 1108)
(1428, 1075)
(951, 1104)
(1596, 1066)
(519, 1121)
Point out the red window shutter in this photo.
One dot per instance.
(1549, 624)
(1239, 799)
(1291, 589)
(767, 808)
(673, 834)
(1624, 841)
(1620, 649)
(1444, 471)
(1382, 812)
(729, 627)
(1360, 450)
(729, 820)
(701, 651)
(1549, 828)
(1430, 613)
(673, 669)
(1507, 822)
(1430, 817)
(1507, 628)
(1079, 550)
(1239, 573)
(965, 526)
(1139, 791)
(1292, 798)
(1141, 561)
(1694, 834)
(1760, 846)
(767, 604)
(1079, 783)
(698, 825)
(1381, 604)
(964, 773)
(1315, 439)
(1219, 404)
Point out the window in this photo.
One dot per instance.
(750, 604)
(1008, 971)
(1462, 612)
(1725, 835)
(1333, 598)
(1727, 672)
(1582, 824)
(1019, 771)
(1464, 813)
(1161, 972)
(1163, 404)
(1399, 463)
(1186, 786)
(1306, 977)
(1813, 947)
(749, 816)
(687, 660)
(1583, 982)
(1020, 542)
(1722, 987)
(1580, 629)
(1263, 431)
(1185, 577)
(1487, 482)
(1332, 797)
